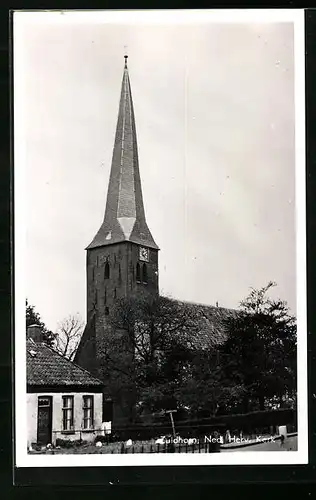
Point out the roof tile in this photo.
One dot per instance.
(48, 368)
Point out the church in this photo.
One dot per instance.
(122, 258)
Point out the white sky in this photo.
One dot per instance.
(214, 106)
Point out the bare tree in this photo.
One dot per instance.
(68, 336)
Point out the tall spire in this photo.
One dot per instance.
(124, 218)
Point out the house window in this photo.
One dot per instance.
(68, 413)
(115, 294)
(145, 279)
(87, 412)
(138, 272)
(107, 270)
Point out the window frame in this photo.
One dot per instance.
(65, 410)
(85, 408)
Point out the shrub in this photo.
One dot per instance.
(102, 439)
(36, 446)
(68, 443)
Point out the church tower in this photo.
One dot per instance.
(123, 257)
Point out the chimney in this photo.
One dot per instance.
(35, 333)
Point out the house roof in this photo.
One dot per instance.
(47, 368)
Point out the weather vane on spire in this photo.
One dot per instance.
(125, 56)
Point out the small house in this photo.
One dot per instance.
(64, 401)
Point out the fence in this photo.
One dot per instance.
(197, 447)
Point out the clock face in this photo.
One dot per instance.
(144, 254)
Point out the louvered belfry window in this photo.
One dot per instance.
(145, 278)
(87, 412)
(107, 270)
(137, 272)
(68, 413)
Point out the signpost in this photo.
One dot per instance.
(172, 422)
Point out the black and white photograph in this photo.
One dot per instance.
(160, 275)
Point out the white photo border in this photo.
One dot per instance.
(21, 18)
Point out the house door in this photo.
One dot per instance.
(44, 420)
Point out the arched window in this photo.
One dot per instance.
(138, 272)
(115, 294)
(145, 278)
(107, 270)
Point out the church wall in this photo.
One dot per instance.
(102, 291)
(86, 352)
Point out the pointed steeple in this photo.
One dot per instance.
(124, 218)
